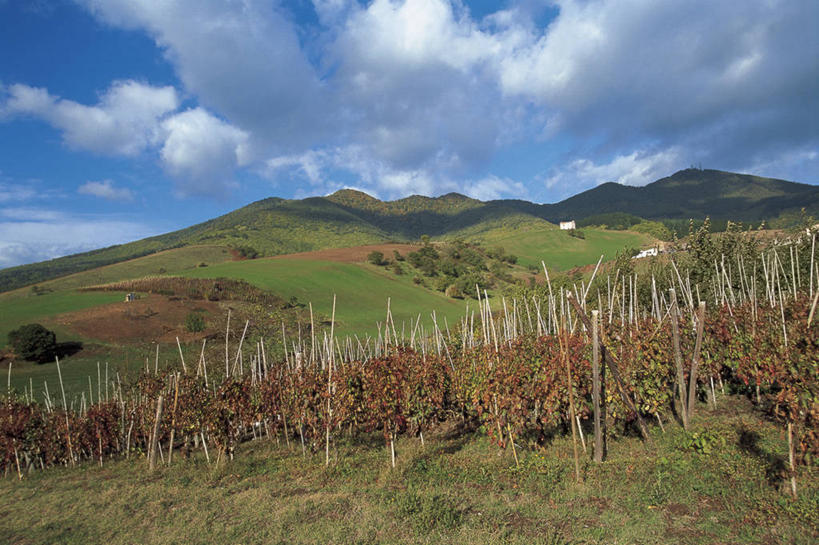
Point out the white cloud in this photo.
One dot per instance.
(243, 60)
(637, 168)
(494, 187)
(419, 96)
(123, 122)
(202, 150)
(15, 192)
(106, 190)
(45, 234)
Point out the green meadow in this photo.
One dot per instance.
(361, 291)
(561, 251)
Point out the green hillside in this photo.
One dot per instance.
(561, 251)
(361, 290)
(349, 218)
(695, 193)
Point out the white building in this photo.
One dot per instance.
(567, 225)
(646, 253)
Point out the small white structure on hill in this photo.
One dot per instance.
(567, 225)
(646, 253)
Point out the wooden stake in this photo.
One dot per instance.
(695, 361)
(330, 390)
(791, 460)
(609, 361)
(675, 333)
(184, 369)
(564, 349)
(65, 409)
(173, 419)
(599, 449)
(155, 435)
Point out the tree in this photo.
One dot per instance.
(376, 258)
(33, 342)
(194, 322)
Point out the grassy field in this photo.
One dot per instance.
(361, 290)
(35, 308)
(167, 262)
(458, 489)
(561, 251)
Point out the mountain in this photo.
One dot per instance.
(276, 226)
(695, 193)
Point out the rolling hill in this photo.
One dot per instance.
(277, 226)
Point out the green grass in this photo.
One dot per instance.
(167, 262)
(561, 251)
(361, 291)
(459, 489)
(39, 308)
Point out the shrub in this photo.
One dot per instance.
(33, 342)
(376, 258)
(247, 252)
(195, 322)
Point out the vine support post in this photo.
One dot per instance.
(65, 409)
(599, 439)
(392, 448)
(609, 361)
(675, 333)
(155, 435)
(564, 349)
(330, 389)
(173, 418)
(791, 459)
(512, 442)
(695, 360)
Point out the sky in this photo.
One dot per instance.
(121, 119)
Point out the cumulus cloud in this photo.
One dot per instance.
(493, 187)
(123, 122)
(29, 235)
(106, 190)
(636, 168)
(420, 96)
(241, 59)
(202, 150)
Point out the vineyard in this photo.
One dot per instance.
(594, 361)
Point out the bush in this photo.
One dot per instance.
(247, 252)
(376, 258)
(195, 322)
(33, 342)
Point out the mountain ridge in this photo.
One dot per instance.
(348, 217)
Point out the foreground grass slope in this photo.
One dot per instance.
(458, 489)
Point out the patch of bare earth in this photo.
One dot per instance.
(355, 254)
(150, 318)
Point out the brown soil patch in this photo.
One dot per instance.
(355, 254)
(151, 318)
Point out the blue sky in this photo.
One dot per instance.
(125, 118)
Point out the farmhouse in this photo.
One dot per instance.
(567, 225)
(646, 253)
